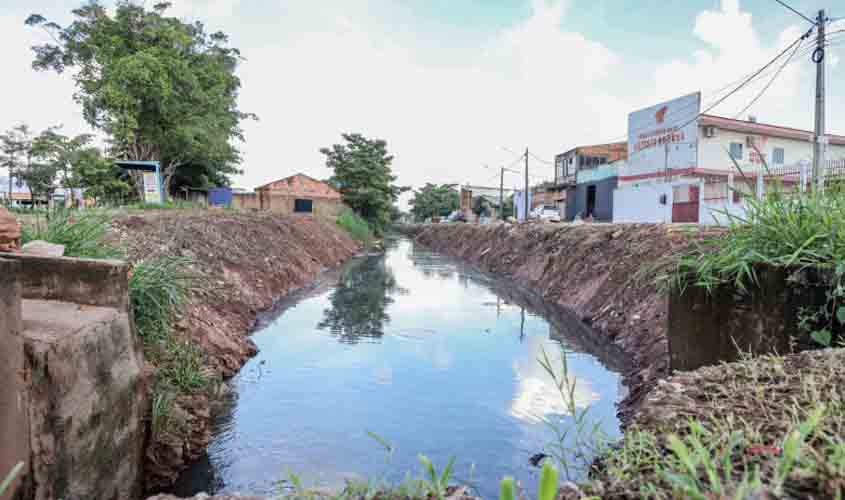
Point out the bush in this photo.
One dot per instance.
(781, 229)
(157, 288)
(356, 226)
(81, 233)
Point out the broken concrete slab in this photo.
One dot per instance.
(43, 249)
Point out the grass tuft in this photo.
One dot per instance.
(81, 233)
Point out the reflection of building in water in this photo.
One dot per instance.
(537, 397)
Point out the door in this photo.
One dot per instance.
(301, 206)
(685, 204)
(591, 200)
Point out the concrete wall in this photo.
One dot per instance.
(715, 213)
(14, 425)
(576, 200)
(86, 395)
(245, 201)
(642, 204)
(706, 328)
(284, 204)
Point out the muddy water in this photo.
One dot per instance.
(428, 354)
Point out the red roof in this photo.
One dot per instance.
(765, 129)
(301, 185)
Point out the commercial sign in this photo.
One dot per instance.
(152, 187)
(664, 136)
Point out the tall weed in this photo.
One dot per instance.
(356, 226)
(82, 233)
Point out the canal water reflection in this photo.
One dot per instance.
(429, 354)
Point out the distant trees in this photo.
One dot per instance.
(363, 175)
(159, 88)
(51, 160)
(434, 200)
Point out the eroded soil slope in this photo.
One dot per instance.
(599, 271)
(249, 260)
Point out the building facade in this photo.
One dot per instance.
(297, 194)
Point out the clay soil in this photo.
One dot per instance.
(601, 272)
(250, 260)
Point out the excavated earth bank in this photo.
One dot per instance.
(250, 260)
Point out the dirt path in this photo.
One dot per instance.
(251, 260)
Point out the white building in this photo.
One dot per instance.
(681, 165)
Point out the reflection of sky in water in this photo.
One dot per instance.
(414, 349)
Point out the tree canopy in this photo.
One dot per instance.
(434, 200)
(161, 89)
(363, 175)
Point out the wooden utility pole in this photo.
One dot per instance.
(526, 185)
(819, 138)
(502, 195)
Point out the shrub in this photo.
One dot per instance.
(81, 233)
(356, 226)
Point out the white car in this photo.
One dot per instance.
(546, 214)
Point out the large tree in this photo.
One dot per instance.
(434, 200)
(362, 173)
(161, 89)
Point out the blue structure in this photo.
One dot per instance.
(145, 166)
(220, 197)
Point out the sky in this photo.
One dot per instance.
(460, 87)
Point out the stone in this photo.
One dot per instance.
(10, 232)
(42, 248)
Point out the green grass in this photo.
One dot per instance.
(767, 427)
(782, 229)
(356, 226)
(82, 233)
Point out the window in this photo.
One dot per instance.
(303, 206)
(777, 156)
(736, 150)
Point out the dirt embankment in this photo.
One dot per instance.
(590, 269)
(250, 261)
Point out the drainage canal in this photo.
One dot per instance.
(428, 354)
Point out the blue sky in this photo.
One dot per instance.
(451, 85)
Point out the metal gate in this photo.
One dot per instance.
(685, 203)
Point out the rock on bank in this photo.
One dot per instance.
(599, 271)
(251, 260)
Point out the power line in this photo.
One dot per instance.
(774, 77)
(796, 12)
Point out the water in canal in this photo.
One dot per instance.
(428, 354)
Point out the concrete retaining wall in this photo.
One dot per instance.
(85, 396)
(14, 425)
(709, 327)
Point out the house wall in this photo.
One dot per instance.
(576, 199)
(713, 154)
(642, 204)
(245, 201)
(284, 204)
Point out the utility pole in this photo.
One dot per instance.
(526, 185)
(819, 139)
(502, 195)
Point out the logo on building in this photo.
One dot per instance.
(660, 116)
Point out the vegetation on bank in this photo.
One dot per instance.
(356, 226)
(158, 289)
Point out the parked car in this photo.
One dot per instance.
(546, 214)
(457, 216)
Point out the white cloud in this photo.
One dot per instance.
(532, 84)
(735, 50)
(203, 9)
